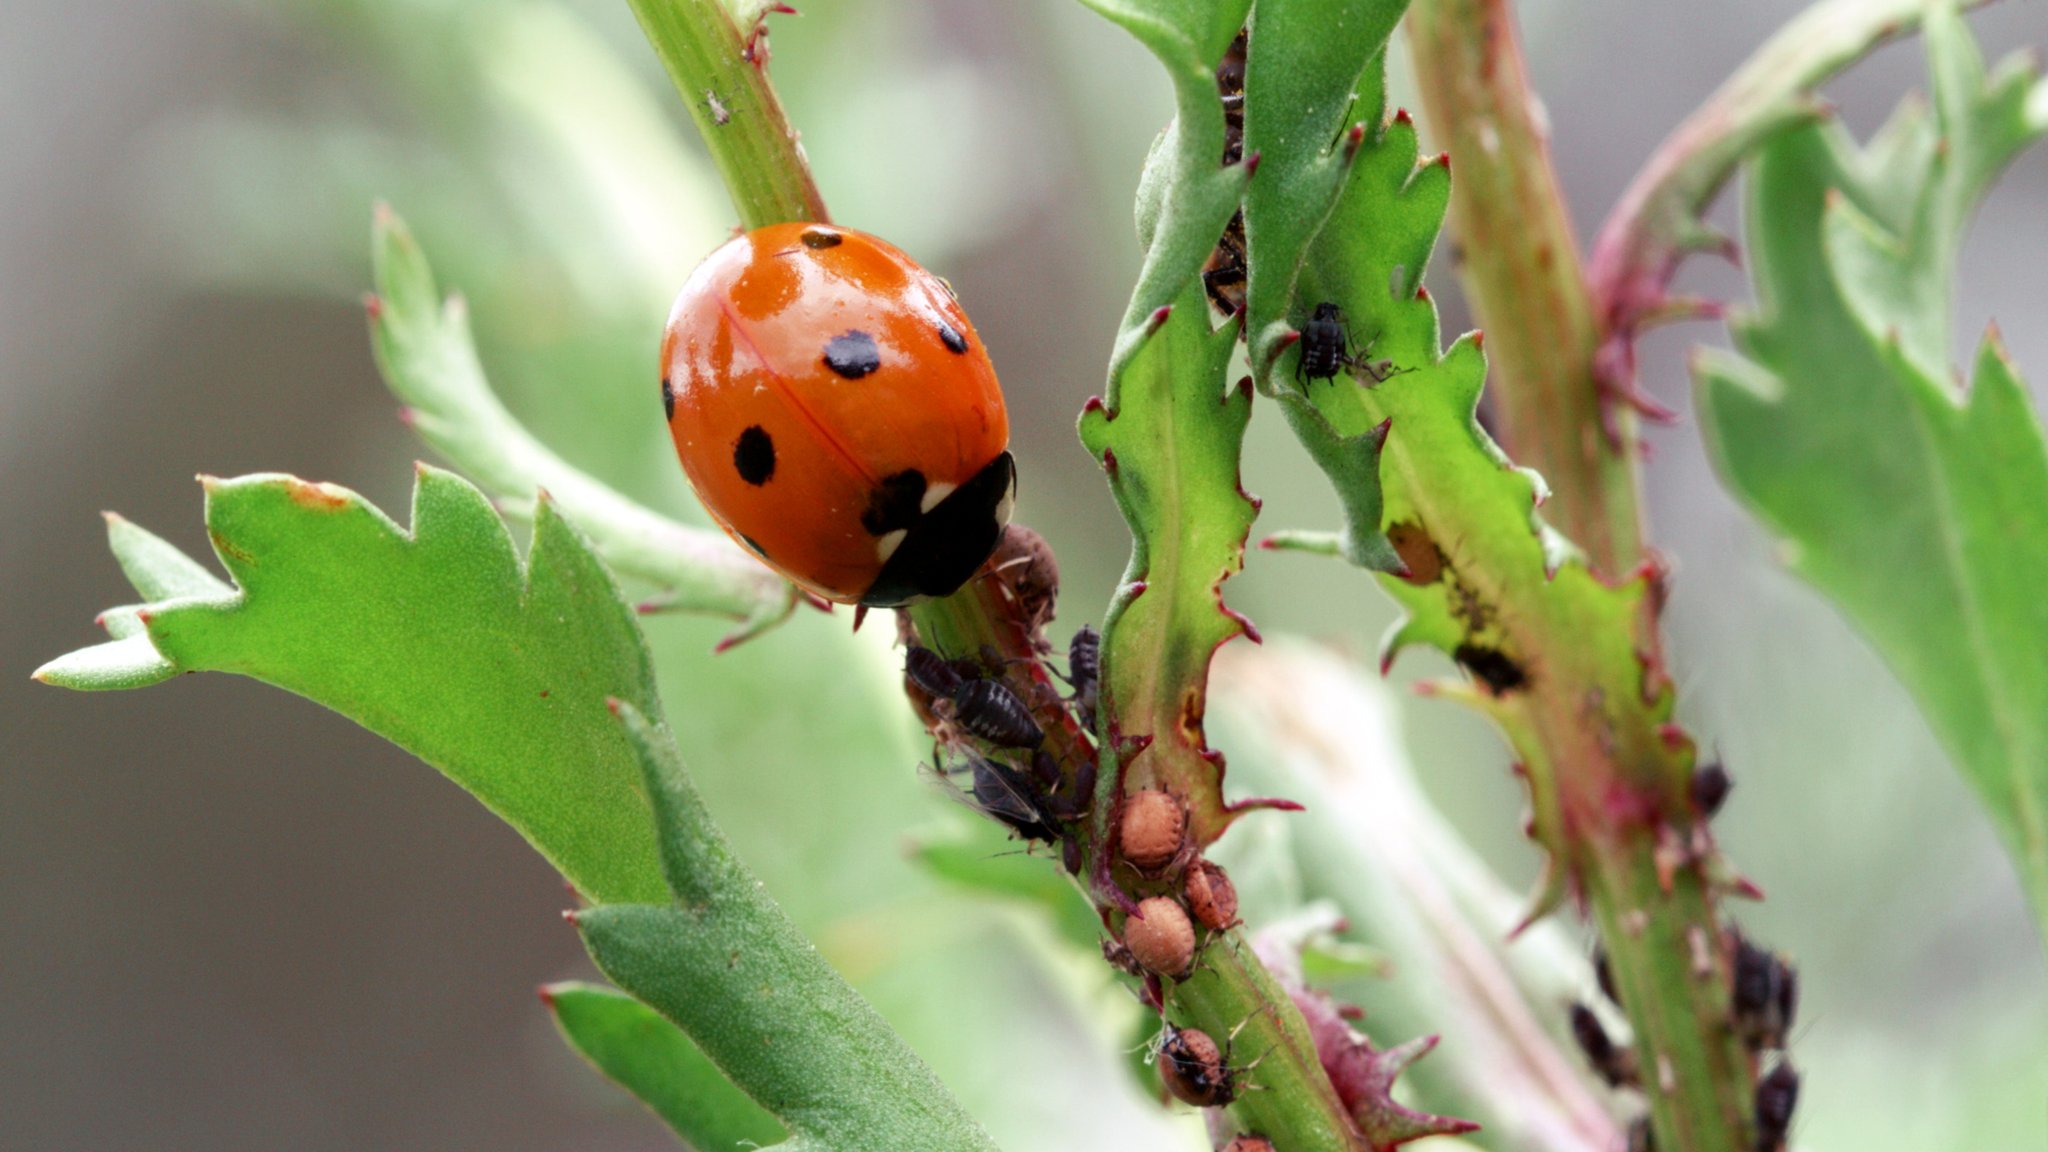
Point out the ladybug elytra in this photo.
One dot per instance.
(837, 415)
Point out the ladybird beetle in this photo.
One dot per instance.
(837, 414)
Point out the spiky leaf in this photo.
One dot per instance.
(635, 1047)
(1919, 508)
(1559, 659)
(1169, 436)
(1186, 194)
(1169, 432)
(438, 638)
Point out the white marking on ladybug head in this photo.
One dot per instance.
(934, 494)
(886, 546)
(1009, 502)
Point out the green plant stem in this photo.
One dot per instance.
(1697, 1076)
(1285, 1096)
(735, 108)
(1520, 266)
(1522, 271)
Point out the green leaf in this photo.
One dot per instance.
(1169, 432)
(429, 359)
(1921, 511)
(439, 639)
(1464, 551)
(159, 571)
(155, 566)
(648, 1056)
(1661, 218)
(1185, 195)
(1313, 69)
(729, 967)
(1169, 435)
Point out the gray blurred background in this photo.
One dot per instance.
(231, 920)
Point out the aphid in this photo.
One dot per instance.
(1615, 1065)
(1004, 793)
(1025, 565)
(1161, 937)
(1151, 829)
(1230, 89)
(1491, 667)
(1764, 995)
(993, 712)
(1710, 786)
(1776, 1096)
(1193, 1068)
(981, 705)
(1604, 974)
(837, 414)
(1084, 672)
(1120, 958)
(1224, 275)
(931, 672)
(1211, 897)
(1325, 347)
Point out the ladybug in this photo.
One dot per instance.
(837, 414)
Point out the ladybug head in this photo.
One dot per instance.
(942, 548)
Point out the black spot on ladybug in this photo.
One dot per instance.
(754, 456)
(814, 239)
(753, 546)
(852, 354)
(954, 341)
(896, 504)
(668, 398)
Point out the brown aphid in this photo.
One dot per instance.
(1211, 897)
(1776, 1096)
(1161, 937)
(1249, 1144)
(1764, 996)
(1192, 1068)
(1152, 828)
(1025, 565)
(1120, 958)
(1709, 788)
(1615, 1065)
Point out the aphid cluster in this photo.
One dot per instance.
(1001, 731)
(999, 745)
(1763, 1000)
(1224, 276)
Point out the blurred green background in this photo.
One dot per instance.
(232, 920)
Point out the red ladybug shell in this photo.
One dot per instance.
(837, 414)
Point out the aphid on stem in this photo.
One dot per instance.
(1196, 1070)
